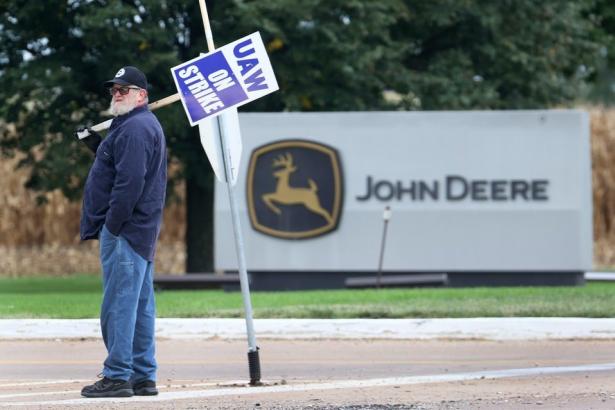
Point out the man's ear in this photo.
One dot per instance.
(143, 95)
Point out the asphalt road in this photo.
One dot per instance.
(326, 374)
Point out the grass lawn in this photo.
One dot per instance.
(80, 296)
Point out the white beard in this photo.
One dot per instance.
(120, 108)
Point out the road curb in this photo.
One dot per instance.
(420, 329)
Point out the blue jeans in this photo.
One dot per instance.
(128, 311)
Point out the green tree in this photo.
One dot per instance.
(54, 56)
(505, 54)
(602, 87)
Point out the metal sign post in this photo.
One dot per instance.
(253, 350)
(386, 216)
(253, 356)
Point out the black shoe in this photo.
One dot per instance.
(108, 388)
(145, 388)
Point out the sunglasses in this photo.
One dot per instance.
(122, 90)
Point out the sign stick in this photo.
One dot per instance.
(253, 356)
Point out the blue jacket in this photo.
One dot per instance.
(126, 186)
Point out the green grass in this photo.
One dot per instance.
(80, 296)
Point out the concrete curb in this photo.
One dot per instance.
(458, 329)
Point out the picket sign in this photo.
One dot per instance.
(230, 76)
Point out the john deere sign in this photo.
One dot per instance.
(497, 191)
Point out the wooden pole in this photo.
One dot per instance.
(163, 102)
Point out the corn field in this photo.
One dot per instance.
(45, 239)
(603, 182)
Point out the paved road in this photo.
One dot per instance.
(323, 374)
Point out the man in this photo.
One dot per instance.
(122, 207)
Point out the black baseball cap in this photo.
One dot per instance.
(128, 75)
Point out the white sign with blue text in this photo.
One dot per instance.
(229, 76)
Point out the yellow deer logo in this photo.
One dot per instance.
(288, 195)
